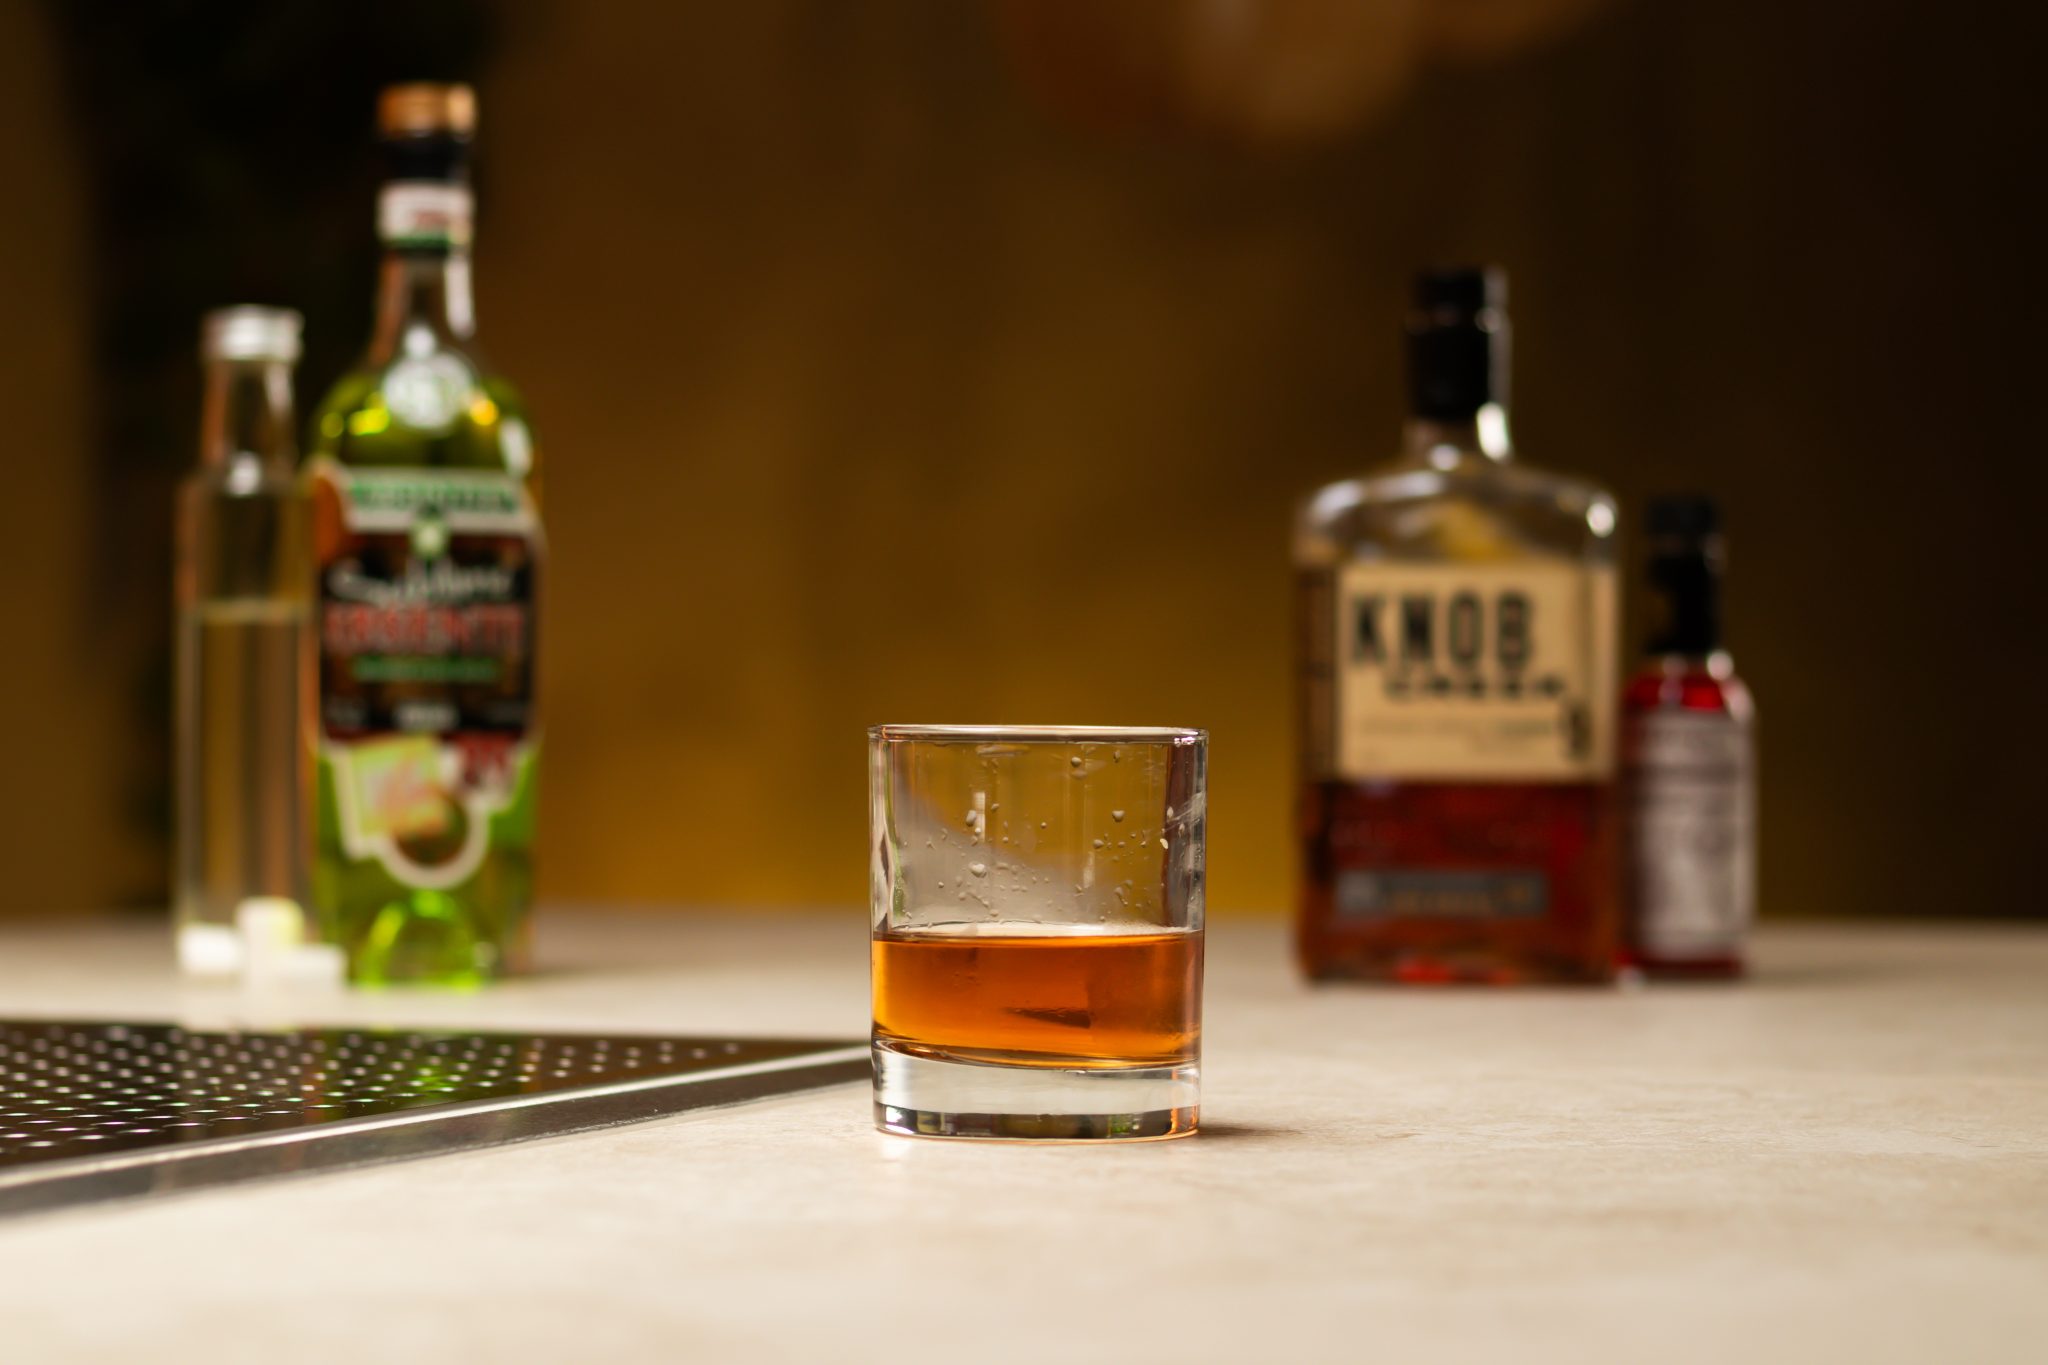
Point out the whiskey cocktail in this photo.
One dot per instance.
(1037, 930)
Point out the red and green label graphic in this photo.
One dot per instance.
(425, 614)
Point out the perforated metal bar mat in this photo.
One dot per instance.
(92, 1111)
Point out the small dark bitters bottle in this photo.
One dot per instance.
(1688, 764)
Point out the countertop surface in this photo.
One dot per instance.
(1845, 1158)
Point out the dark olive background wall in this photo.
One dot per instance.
(874, 386)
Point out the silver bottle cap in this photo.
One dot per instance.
(250, 332)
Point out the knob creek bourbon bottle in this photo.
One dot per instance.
(1457, 653)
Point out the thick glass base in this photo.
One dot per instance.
(923, 1096)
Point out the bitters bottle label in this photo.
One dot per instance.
(1496, 672)
(1691, 792)
(426, 641)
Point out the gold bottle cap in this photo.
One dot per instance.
(425, 108)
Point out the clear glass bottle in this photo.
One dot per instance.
(1688, 764)
(241, 616)
(1458, 673)
(427, 549)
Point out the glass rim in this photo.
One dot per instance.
(1044, 734)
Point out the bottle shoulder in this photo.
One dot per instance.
(1482, 510)
(438, 408)
(1699, 686)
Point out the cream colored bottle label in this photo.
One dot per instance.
(1692, 814)
(1489, 672)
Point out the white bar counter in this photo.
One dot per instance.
(1844, 1159)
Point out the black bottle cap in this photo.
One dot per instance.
(426, 129)
(441, 158)
(1684, 575)
(1459, 289)
(1457, 342)
(1683, 516)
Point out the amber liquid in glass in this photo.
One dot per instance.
(1052, 999)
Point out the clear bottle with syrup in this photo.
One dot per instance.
(1688, 764)
(240, 855)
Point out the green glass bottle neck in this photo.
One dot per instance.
(424, 303)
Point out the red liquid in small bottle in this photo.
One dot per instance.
(1695, 686)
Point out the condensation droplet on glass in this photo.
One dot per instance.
(1098, 843)
(1041, 824)
(1116, 815)
(1074, 762)
(942, 886)
(978, 869)
(1162, 841)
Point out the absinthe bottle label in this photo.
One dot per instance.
(426, 620)
(1472, 672)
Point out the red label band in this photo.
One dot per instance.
(497, 630)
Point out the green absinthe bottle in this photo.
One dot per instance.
(421, 477)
